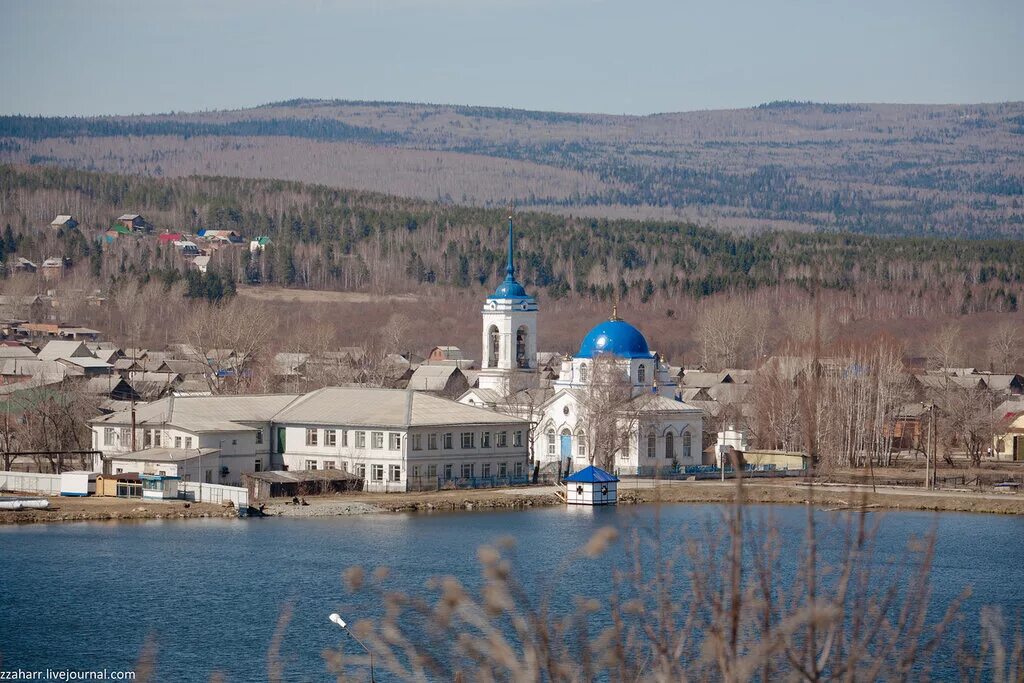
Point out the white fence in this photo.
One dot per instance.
(214, 493)
(30, 482)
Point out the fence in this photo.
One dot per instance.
(437, 483)
(30, 482)
(706, 472)
(217, 494)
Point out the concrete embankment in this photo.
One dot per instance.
(822, 496)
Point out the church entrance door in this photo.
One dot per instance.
(566, 444)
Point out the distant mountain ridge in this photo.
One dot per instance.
(890, 169)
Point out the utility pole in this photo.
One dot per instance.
(928, 453)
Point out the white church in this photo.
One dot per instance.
(613, 372)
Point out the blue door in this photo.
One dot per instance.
(566, 445)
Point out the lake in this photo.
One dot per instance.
(86, 595)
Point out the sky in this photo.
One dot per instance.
(91, 57)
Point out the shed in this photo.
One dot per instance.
(78, 483)
(159, 486)
(591, 486)
(122, 485)
(274, 484)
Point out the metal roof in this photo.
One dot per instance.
(398, 408)
(591, 475)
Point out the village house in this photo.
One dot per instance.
(64, 221)
(132, 221)
(54, 267)
(1008, 441)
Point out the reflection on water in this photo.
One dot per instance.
(85, 596)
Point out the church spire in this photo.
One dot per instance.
(510, 268)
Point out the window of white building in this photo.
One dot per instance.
(583, 372)
(447, 441)
(360, 439)
(108, 436)
(485, 439)
(417, 442)
(468, 440)
(687, 445)
(328, 464)
(330, 437)
(432, 471)
(377, 472)
(519, 469)
(501, 439)
(177, 442)
(641, 373)
(311, 464)
(670, 446)
(551, 442)
(394, 473)
(259, 435)
(377, 440)
(188, 442)
(581, 444)
(448, 471)
(652, 446)
(158, 436)
(517, 439)
(394, 441)
(311, 437)
(485, 469)
(502, 469)
(467, 470)
(431, 442)
(344, 438)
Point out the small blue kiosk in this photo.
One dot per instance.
(591, 486)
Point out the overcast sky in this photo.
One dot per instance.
(621, 56)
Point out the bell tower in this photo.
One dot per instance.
(509, 330)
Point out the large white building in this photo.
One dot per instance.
(614, 371)
(399, 440)
(395, 439)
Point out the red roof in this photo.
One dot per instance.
(170, 237)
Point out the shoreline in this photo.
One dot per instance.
(827, 496)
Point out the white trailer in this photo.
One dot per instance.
(78, 483)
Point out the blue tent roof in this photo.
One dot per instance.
(591, 475)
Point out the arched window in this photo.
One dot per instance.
(583, 372)
(551, 442)
(670, 446)
(641, 373)
(521, 360)
(493, 346)
(581, 444)
(652, 446)
(687, 446)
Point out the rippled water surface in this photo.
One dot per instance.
(86, 596)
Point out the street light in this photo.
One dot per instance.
(336, 618)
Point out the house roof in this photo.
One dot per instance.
(128, 216)
(57, 348)
(86, 362)
(63, 219)
(398, 408)
(704, 379)
(19, 351)
(591, 475)
(433, 377)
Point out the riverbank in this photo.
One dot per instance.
(631, 492)
(76, 509)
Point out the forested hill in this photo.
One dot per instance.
(921, 170)
(324, 238)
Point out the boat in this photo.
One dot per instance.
(23, 503)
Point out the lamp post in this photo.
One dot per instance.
(336, 618)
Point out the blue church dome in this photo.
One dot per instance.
(616, 337)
